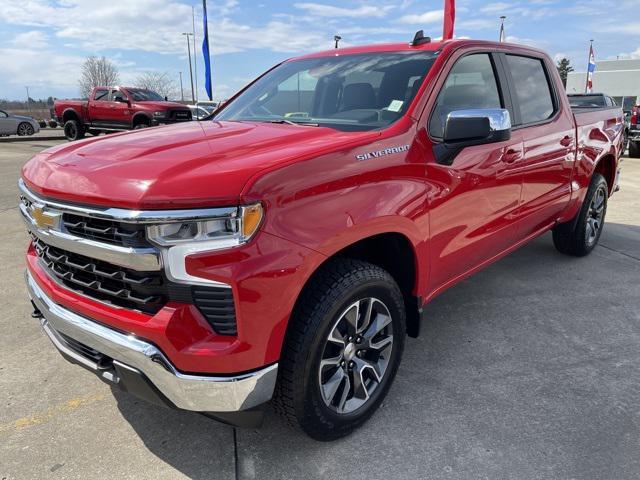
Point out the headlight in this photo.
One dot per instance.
(183, 238)
(159, 114)
(217, 233)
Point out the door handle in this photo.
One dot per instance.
(566, 141)
(511, 155)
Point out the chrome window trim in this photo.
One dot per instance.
(131, 216)
(190, 392)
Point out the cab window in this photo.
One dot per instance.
(101, 95)
(471, 84)
(532, 88)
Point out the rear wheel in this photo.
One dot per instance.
(25, 129)
(634, 149)
(583, 238)
(342, 350)
(73, 130)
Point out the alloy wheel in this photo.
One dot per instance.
(356, 355)
(595, 216)
(25, 129)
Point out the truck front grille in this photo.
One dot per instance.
(180, 115)
(116, 233)
(144, 291)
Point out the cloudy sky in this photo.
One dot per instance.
(45, 41)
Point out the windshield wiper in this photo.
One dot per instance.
(289, 122)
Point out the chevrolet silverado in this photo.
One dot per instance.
(285, 248)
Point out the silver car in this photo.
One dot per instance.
(17, 125)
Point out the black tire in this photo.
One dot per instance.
(25, 129)
(580, 240)
(634, 149)
(73, 130)
(299, 397)
(141, 125)
(93, 132)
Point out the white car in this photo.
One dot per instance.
(17, 125)
(198, 112)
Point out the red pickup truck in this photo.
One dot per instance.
(117, 108)
(284, 250)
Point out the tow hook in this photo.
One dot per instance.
(36, 313)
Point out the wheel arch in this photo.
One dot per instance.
(70, 114)
(607, 166)
(394, 252)
(139, 118)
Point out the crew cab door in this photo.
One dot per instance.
(473, 200)
(98, 107)
(119, 108)
(548, 130)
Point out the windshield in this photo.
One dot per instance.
(586, 101)
(140, 95)
(353, 92)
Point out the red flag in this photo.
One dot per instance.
(449, 19)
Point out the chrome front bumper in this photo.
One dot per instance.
(188, 392)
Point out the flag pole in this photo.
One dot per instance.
(502, 32)
(586, 87)
(449, 19)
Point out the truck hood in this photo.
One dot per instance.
(193, 164)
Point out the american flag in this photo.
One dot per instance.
(590, 70)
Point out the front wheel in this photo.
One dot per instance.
(342, 350)
(580, 240)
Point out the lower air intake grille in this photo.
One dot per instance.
(216, 304)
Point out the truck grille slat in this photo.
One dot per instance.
(127, 235)
(106, 282)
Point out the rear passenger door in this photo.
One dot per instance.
(548, 130)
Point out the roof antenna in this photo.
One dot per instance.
(420, 39)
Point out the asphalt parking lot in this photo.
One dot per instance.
(528, 370)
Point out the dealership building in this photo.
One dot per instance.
(619, 79)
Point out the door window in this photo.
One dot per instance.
(532, 89)
(118, 96)
(102, 95)
(471, 84)
(3, 114)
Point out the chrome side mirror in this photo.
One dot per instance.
(467, 128)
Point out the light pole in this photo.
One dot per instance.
(337, 39)
(28, 100)
(195, 57)
(181, 89)
(193, 96)
(503, 36)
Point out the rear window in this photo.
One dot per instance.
(101, 95)
(533, 91)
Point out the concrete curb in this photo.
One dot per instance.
(33, 138)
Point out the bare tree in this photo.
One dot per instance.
(97, 72)
(159, 82)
